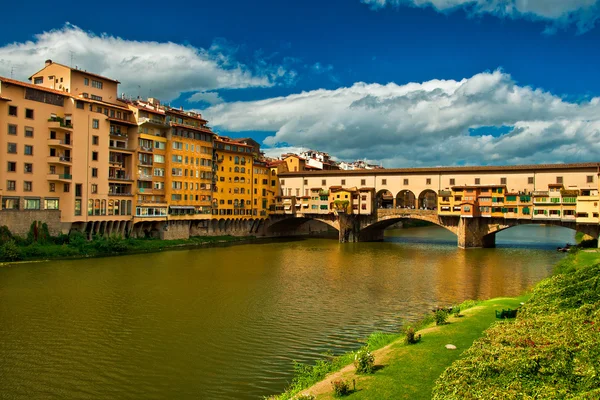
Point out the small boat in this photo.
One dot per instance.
(564, 249)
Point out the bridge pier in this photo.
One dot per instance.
(474, 233)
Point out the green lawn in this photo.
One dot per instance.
(410, 371)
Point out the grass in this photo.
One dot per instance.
(410, 371)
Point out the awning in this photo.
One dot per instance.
(183, 207)
(304, 205)
(288, 207)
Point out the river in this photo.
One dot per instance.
(226, 322)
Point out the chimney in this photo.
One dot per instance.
(48, 62)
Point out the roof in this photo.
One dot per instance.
(103, 103)
(148, 108)
(184, 114)
(120, 121)
(437, 170)
(225, 139)
(76, 70)
(366, 189)
(5, 98)
(276, 162)
(29, 85)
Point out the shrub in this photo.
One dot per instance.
(364, 361)
(305, 397)
(114, 244)
(38, 233)
(440, 317)
(456, 311)
(10, 252)
(5, 234)
(410, 336)
(341, 388)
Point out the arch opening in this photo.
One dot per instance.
(428, 200)
(406, 199)
(385, 199)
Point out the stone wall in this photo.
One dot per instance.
(19, 221)
(176, 230)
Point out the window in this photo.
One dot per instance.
(10, 203)
(94, 188)
(477, 181)
(323, 182)
(282, 182)
(99, 98)
(343, 181)
(94, 172)
(305, 181)
(28, 150)
(27, 186)
(428, 181)
(12, 148)
(51, 204)
(159, 158)
(590, 179)
(12, 129)
(96, 84)
(31, 204)
(559, 179)
(52, 187)
(11, 185)
(452, 181)
(67, 187)
(95, 140)
(38, 80)
(79, 104)
(86, 81)
(28, 131)
(159, 145)
(530, 180)
(406, 181)
(78, 207)
(11, 166)
(28, 113)
(78, 187)
(94, 156)
(28, 168)
(12, 111)
(384, 181)
(95, 124)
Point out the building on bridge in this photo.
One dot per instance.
(473, 202)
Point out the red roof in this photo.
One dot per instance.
(194, 128)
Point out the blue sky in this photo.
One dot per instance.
(530, 69)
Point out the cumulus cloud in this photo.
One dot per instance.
(165, 69)
(439, 122)
(560, 13)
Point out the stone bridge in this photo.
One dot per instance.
(471, 232)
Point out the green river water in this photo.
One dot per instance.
(226, 322)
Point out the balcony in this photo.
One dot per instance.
(121, 148)
(59, 177)
(151, 121)
(57, 123)
(145, 149)
(119, 134)
(61, 160)
(144, 177)
(119, 178)
(120, 193)
(60, 143)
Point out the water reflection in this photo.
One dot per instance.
(226, 323)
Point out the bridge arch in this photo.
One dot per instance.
(428, 200)
(590, 229)
(288, 224)
(406, 199)
(384, 199)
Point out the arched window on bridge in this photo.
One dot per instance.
(406, 199)
(428, 200)
(385, 199)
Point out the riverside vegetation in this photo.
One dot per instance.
(549, 351)
(40, 245)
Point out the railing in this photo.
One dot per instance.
(147, 149)
(143, 120)
(117, 193)
(144, 177)
(120, 134)
(56, 142)
(119, 178)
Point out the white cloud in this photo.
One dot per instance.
(560, 13)
(207, 97)
(426, 123)
(164, 69)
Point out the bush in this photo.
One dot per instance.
(440, 317)
(364, 361)
(410, 336)
(10, 252)
(5, 234)
(456, 311)
(341, 388)
(114, 244)
(38, 233)
(305, 397)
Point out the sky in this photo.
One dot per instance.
(401, 83)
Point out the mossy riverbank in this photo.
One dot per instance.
(550, 348)
(40, 246)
